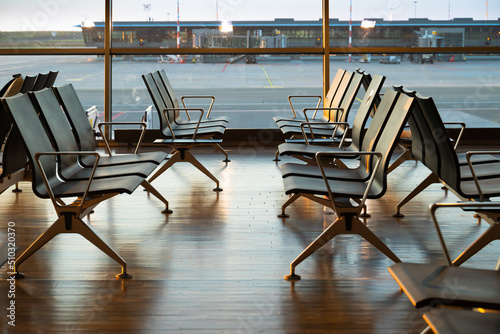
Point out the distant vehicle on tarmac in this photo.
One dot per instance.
(390, 60)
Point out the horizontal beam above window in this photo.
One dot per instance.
(195, 51)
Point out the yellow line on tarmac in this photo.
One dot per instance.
(269, 79)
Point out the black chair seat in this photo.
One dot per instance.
(451, 321)
(333, 173)
(320, 131)
(119, 184)
(296, 124)
(340, 188)
(484, 170)
(76, 172)
(476, 159)
(490, 211)
(124, 159)
(202, 132)
(187, 141)
(489, 187)
(192, 123)
(306, 150)
(318, 141)
(297, 120)
(424, 285)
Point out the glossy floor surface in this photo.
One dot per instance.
(216, 264)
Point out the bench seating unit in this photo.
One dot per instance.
(48, 184)
(347, 196)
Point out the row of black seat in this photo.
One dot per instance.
(28, 83)
(184, 134)
(52, 128)
(13, 160)
(61, 150)
(476, 185)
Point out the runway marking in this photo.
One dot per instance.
(116, 116)
(269, 79)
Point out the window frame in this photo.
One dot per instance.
(324, 50)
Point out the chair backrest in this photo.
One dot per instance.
(28, 84)
(423, 146)
(10, 89)
(339, 96)
(40, 82)
(158, 102)
(9, 84)
(375, 129)
(334, 86)
(34, 138)
(349, 98)
(51, 79)
(72, 107)
(367, 78)
(13, 154)
(387, 141)
(171, 93)
(165, 96)
(378, 123)
(13, 88)
(364, 110)
(56, 124)
(14, 157)
(447, 168)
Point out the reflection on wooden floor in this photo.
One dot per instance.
(216, 264)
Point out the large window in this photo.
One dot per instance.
(252, 54)
(46, 23)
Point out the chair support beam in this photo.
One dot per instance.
(345, 224)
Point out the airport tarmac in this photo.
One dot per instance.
(251, 94)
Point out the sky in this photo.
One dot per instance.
(43, 15)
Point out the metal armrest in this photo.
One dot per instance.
(57, 201)
(303, 124)
(469, 162)
(198, 97)
(139, 142)
(462, 129)
(305, 110)
(433, 207)
(186, 109)
(370, 181)
(320, 98)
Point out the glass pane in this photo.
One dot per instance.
(465, 87)
(215, 24)
(86, 74)
(47, 24)
(251, 94)
(442, 24)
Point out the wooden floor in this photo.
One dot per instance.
(216, 264)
